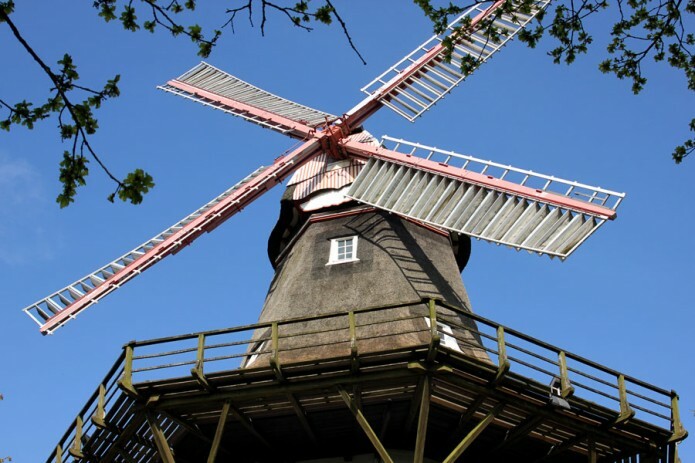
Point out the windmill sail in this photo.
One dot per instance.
(52, 312)
(515, 207)
(411, 86)
(212, 87)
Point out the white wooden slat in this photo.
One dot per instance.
(479, 211)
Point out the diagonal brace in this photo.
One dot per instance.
(364, 424)
(219, 432)
(473, 435)
(160, 440)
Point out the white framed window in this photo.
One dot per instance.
(343, 249)
(446, 335)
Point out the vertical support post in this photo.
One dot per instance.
(678, 432)
(422, 421)
(126, 381)
(59, 454)
(200, 354)
(100, 413)
(197, 370)
(160, 440)
(275, 356)
(219, 432)
(364, 424)
(76, 449)
(626, 412)
(502, 361)
(354, 362)
(566, 388)
(434, 334)
(592, 456)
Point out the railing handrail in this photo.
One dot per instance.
(125, 362)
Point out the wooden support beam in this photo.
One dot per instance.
(519, 432)
(592, 456)
(219, 432)
(564, 446)
(422, 421)
(160, 439)
(386, 419)
(248, 425)
(473, 435)
(302, 417)
(194, 431)
(414, 405)
(125, 455)
(123, 436)
(364, 424)
(468, 414)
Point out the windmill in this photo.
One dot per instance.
(455, 193)
(366, 345)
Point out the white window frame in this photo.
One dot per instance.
(446, 334)
(338, 257)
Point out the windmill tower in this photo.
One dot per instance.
(366, 344)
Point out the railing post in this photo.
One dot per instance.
(59, 454)
(275, 355)
(434, 334)
(354, 361)
(100, 413)
(502, 361)
(678, 432)
(76, 449)
(126, 381)
(566, 388)
(626, 412)
(197, 370)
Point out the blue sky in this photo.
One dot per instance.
(622, 300)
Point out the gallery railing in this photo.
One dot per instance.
(429, 325)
